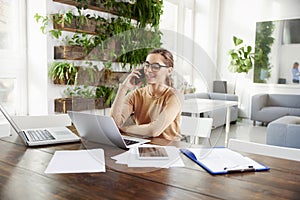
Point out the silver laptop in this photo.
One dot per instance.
(42, 136)
(102, 129)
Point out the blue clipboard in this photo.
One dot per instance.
(221, 160)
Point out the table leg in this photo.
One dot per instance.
(227, 126)
(195, 138)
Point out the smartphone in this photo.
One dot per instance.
(152, 153)
(141, 78)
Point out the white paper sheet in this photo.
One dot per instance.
(77, 161)
(4, 129)
(131, 159)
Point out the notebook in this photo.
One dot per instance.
(102, 129)
(42, 136)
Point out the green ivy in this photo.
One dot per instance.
(263, 43)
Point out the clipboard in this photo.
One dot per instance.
(221, 160)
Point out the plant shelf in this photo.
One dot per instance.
(91, 7)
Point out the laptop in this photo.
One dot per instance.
(42, 136)
(102, 129)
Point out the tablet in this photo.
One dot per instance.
(152, 153)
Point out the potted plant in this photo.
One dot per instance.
(55, 33)
(241, 58)
(63, 73)
(85, 98)
(90, 75)
(108, 93)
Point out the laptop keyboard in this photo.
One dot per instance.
(40, 135)
(129, 142)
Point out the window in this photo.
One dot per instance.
(291, 31)
(177, 26)
(13, 56)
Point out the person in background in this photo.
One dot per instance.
(295, 72)
(154, 107)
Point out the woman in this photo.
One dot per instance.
(295, 72)
(156, 107)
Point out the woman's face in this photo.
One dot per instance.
(157, 77)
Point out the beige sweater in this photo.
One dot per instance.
(154, 116)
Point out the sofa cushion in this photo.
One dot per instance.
(224, 97)
(284, 131)
(284, 100)
(271, 113)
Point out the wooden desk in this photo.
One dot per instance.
(22, 177)
(196, 106)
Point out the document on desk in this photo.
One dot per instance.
(130, 158)
(221, 160)
(77, 161)
(4, 129)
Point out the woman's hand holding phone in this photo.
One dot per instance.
(141, 76)
(134, 79)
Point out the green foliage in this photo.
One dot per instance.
(44, 23)
(63, 71)
(80, 91)
(107, 92)
(145, 11)
(135, 32)
(241, 57)
(263, 43)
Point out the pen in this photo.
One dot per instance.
(249, 169)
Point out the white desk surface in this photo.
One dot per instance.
(205, 105)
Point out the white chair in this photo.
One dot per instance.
(195, 127)
(264, 149)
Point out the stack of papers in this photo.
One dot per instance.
(131, 158)
(77, 161)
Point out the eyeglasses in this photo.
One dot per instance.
(154, 66)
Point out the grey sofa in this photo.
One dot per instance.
(268, 107)
(218, 115)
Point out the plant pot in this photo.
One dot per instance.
(69, 52)
(111, 78)
(103, 52)
(62, 105)
(87, 27)
(84, 77)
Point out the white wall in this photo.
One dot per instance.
(37, 61)
(238, 18)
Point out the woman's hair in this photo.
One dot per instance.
(168, 61)
(168, 56)
(296, 65)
